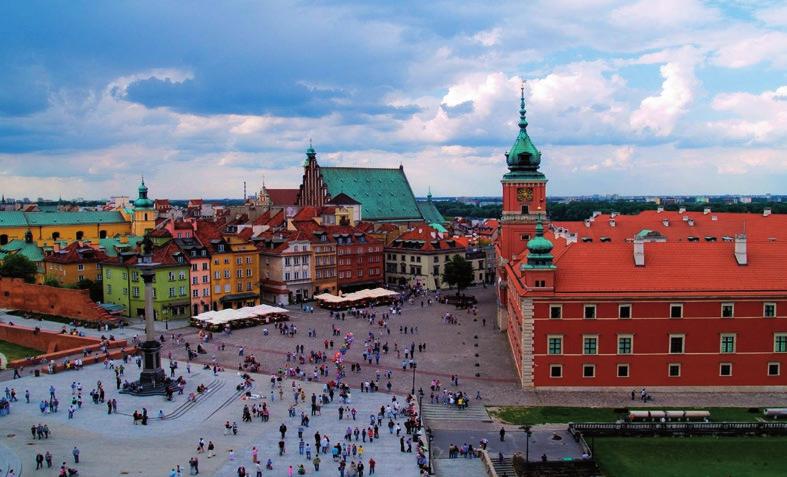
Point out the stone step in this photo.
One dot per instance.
(440, 412)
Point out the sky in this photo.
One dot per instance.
(623, 97)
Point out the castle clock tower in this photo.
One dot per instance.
(524, 192)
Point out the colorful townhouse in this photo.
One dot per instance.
(234, 266)
(286, 267)
(199, 260)
(359, 258)
(74, 263)
(123, 284)
(418, 257)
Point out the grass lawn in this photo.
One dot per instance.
(12, 351)
(691, 456)
(552, 414)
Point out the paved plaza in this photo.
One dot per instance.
(111, 444)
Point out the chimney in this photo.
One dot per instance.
(682, 210)
(659, 210)
(766, 211)
(665, 222)
(639, 253)
(691, 222)
(612, 223)
(587, 222)
(706, 211)
(740, 250)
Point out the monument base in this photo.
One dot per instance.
(153, 380)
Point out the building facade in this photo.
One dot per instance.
(73, 264)
(417, 258)
(628, 306)
(359, 259)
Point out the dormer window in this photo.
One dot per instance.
(221, 247)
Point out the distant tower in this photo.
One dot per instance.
(244, 191)
(144, 219)
(524, 191)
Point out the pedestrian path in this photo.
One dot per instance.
(439, 412)
(457, 467)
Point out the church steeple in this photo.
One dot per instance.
(311, 155)
(524, 158)
(539, 250)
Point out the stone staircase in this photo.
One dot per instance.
(438, 412)
(505, 468)
(576, 468)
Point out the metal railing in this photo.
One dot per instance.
(679, 428)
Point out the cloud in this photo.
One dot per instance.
(775, 15)
(761, 118)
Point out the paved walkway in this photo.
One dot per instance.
(111, 444)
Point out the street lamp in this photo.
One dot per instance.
(528, 433)
(414, 365)
(429, 438)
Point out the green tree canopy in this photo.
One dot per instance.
(19, 266)
(458, 272)
(96, 289)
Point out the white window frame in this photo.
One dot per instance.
(721, 365)
(778, 368)
(765, 306)
(625, 335)
(732, 308)
(587, 307)
(550, 337)
(680, 370)
(682, 336)
(585, 337)
(555, 366)
(630, 308)
(775, 338)
(628, 370)
(680, 305)
(734, 343)
(591, 366)
(560, 313)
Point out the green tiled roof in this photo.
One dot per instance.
(110, 245)
(35, 219)
(384, 194)
(29, 250)
(430, 213)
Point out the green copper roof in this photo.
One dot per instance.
(430, 212)
(36, 219)
(523, 159)
(142, 202)
(112, 244)
(384, 194)
(29, 250)
(539, 250)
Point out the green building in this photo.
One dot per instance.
(123, 285)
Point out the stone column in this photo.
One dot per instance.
(152, 375)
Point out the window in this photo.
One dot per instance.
(194, 280)
(205, 278)
(172, 292)
(676, 310)
(239, 287)
(286, 261)
(555, 345)
(555, 312)
(135, 292)
(182, 276)
(296, 275)
(774, 369)
(296, 260)
(780, 343)
(725, 369)
(80, 267)
(624, 312)
(217, 289)
(195, 293)
(108, 273)
(248, 286)
(590, 345)
(623, 370)
(239, 273)
(588, 370)
(676, 344)
(248, 272)
(227, 288)
(226, 273)
(124, 275)
(590, 312)
(728, 343)
(287, 276)
(134, 276)
(217, 274)
(673, 370)
(206, 291)
(204, 264)
(125, 292)
(109, 290)
(727, 310)
(625, 344)
(555, 371)
(248, 260)
(541, 283)
(769, 310)
(171, 276)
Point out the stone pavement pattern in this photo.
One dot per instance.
(111, 444)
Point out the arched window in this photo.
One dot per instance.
(80, 234)
(55, 235)
(102, 234)
(3, 239)
(146, 216)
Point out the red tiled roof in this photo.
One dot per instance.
(283, 196)
(306, 213)
(75, 252)
(430, 237)
(164, 256)
(599, 268)
(756, 226)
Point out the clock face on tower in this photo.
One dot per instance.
(524, 194)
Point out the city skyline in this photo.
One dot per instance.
(199, 101)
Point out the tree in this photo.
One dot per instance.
(52, 282)
(19, 266)
(458, 272)
(96, 289)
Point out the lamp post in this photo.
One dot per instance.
(414, 365)
(429, 438)
(528, 432)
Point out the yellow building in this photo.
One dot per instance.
(144, 214)
(50, 227)
(235, 265)
(73, 264)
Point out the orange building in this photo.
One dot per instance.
(74, 263)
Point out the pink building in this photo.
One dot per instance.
(199, 259)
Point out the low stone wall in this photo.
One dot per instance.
(52, 345)
(75, 304)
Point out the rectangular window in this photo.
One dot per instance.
(124, 275)
(296, 275)
(623, 370)
(80, 267)
(248, 286)
(182, 291)
(673, 370)
(248, 260)
(217, 289)
(624, 312)
(194, 280)
(193, 267)
(725, 369)
(588, 370)
(171, 292)
(171, 276)
(135, 292)
(239, 261)
(108, 273)
(555, 345)
(590, 345)
(195, 293)
(555, 311)
(676, 310)
(625, 344)
(590, 312)
(296, 260)
(286, 261)
(217, 275)
(248, 272)
(227, 288)
(109, 289)
(728, 343)
(125, 292)
(287, 276)
(205, 278)
(239, 273)
(780, 343)
(676, 344)
(226, 273)
(239, 286)
(768, 310)
(206, 292)
(727, 310)
(555, 371)
(774, 369)
(134, 276)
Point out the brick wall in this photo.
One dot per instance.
(43, 341)
(18, 295)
